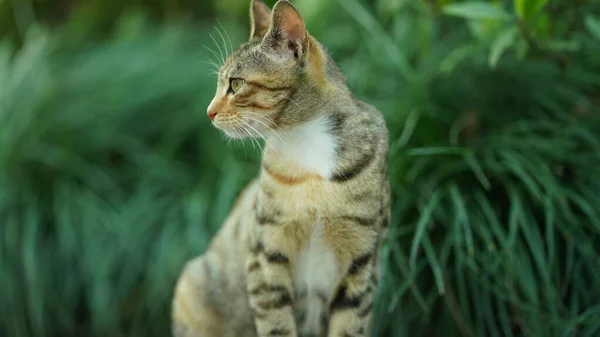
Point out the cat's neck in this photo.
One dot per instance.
(312, 147)
(316, 146)
(307, 149)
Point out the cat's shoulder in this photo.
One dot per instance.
(372, 111)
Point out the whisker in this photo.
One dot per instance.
(291, 100)
(268, 127)
(218, 47)
(257, 120)
(213, 73)
(259, 115)
(226, 34)
(265, 138)
(263, 117)
(243, 125)
(267, 120)
(238, 124)
(214, 54)
(254, 140)
(223, 39)
(211, 63)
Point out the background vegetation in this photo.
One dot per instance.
(111, 177)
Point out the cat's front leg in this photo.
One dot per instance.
(270, 287)
(351, 307)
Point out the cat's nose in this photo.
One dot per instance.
(211, 114)
(213, 108)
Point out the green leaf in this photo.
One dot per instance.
(477, 170)
(432, 151)
(520, 8)
(592, 23)
(476, 10)
(434, 264)
(538, 5)
(422, 226)
(409, 275)
(560, 45)
(455, 57)
(461, 217)
(502, 42)
(522, 47)
(527, 8)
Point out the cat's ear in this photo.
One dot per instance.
(287, 34)
(260, 19)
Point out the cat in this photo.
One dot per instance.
(298, 253)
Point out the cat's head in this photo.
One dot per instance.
(270, 81)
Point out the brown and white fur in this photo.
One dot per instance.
(297, 255)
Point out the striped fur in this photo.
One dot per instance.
(297, 255)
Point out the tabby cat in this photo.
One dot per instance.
(297, 255)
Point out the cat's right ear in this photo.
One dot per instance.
(260, 19)
(287, 37)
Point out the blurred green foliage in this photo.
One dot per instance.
(111, 177)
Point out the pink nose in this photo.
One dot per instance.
(211, 114)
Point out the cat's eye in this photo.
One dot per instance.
(235, 84)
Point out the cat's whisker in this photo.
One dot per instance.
(212, 72)
(291, 100)
(212, 51)
(258, 115)
(265, 138)
(253, 138)
(227, 35)
(247, 133)
(264, 118)
(275, 125)
(212, 63)
(215, 54)
(243, 125)
(218, 42)
(239, 125)
(268, 127)
(221, 55)
(227, 52)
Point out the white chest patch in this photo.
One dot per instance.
(316, 273)
(310, 145)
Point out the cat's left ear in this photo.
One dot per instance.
(287, 34)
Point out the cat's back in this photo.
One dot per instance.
(375, 115)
